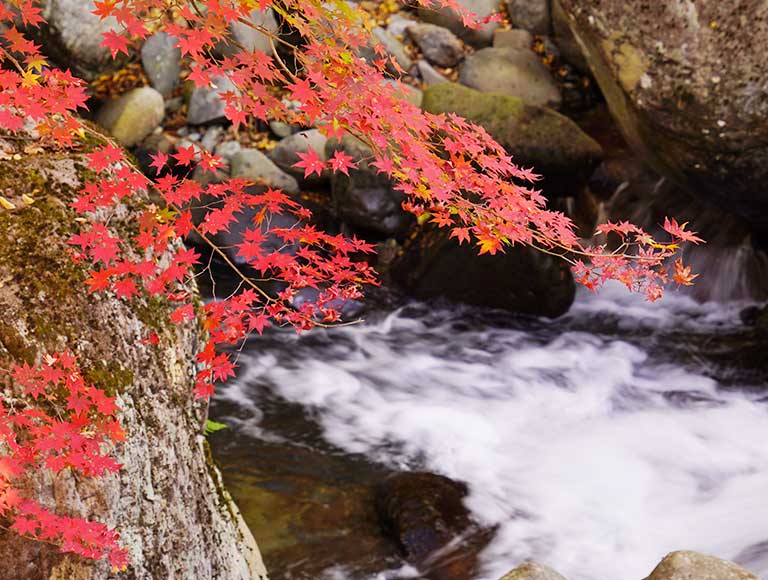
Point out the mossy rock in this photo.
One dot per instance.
(535, 136)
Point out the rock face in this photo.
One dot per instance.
(167, 501)
(695, 566)
(513, 72)
(685, 81)
(536, 137)
(521, 280)
(132, 116)
(532, 571)
(424, 513)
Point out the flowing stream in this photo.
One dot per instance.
(597, 442)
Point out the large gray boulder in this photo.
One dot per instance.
(531, 15)
(439, 45)
(537, 137)
(206, 104)
(167, 501)
(161, 60)
(686, 83)
(448, 18)
(511, 71)
(686, 565)
(254, 165)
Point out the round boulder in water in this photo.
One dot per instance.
(532, 571)
(686, 565)
(424, 513)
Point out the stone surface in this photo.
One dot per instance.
(167, 501)
(439, 45)
(522, 280)
(132, 116)
(451, 20)
(365, 199)
(249, 38)
(566, 42)
(531, 15)
(687, 565)
(206, 104)
(512, 72)
(532, 571)
(513, 38)
(407, 92)
(161, 59)
(685, 83)
(252, 164)
(536, 137)
(429, 75)
(73, 35)
(394, 47)
(285, 153)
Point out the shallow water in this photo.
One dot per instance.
(597, 442)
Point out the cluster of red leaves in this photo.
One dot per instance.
(59, 422)
(452, 173)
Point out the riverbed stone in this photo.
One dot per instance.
(531, 15)
(685, 83)
(532, 571)
(394, 47)
(687, 565)
(161, 60)
(132, 116)
(513, 72)
(448, 18)
(285, 154)
(439, 45)
(365, 198)
(535, 136)
(429, 75)
(513, 38)
(252, 164)
(249, 38)
(206, 104)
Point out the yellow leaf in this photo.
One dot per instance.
(423, 218)
(6, 204)
(26, 199)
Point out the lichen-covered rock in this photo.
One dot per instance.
(536, 137)
(686, 565)
(532, 571)
(513, 72)
(167, 501)
(132, 116)
(685, 81)
(521, 280)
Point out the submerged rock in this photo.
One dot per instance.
(521, 280)
(425, 515)
(535, 136)
(687, 565)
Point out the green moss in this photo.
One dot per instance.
(109, 376)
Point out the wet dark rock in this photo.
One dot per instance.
(512, 72)
(152, 145)
(522, 280)
(535, 136)
(425, 515)
(439, 45)
(365, 199)
(685, 85)
(161, 60)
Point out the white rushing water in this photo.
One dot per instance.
(595, 454)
